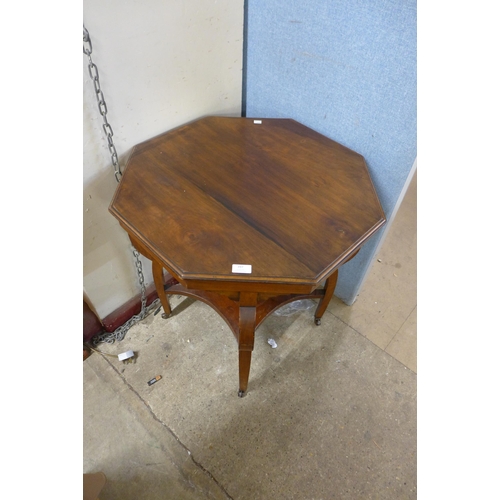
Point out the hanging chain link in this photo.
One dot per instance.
(121, 331)
(101, 103)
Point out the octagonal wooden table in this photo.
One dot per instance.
(246, 215)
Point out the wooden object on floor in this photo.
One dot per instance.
(246, 215)
(92, 485)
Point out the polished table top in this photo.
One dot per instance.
(272, 195)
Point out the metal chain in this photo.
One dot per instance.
(120, 332)
(101, 104)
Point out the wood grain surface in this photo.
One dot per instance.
(220, 191)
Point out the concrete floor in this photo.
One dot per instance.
(330, 413)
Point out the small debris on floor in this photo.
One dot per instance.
(154, 380)
(127, 357)
(272, 343)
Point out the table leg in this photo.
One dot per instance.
(160, 288)
(245, 358)
(330, 285)
(247, 321)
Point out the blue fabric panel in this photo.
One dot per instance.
(346, 69)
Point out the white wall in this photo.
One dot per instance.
(161, 63)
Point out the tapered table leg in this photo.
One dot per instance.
(330, 285)
(160, 288)
(245, 358)
(247, 322)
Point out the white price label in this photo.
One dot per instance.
(242, 268)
